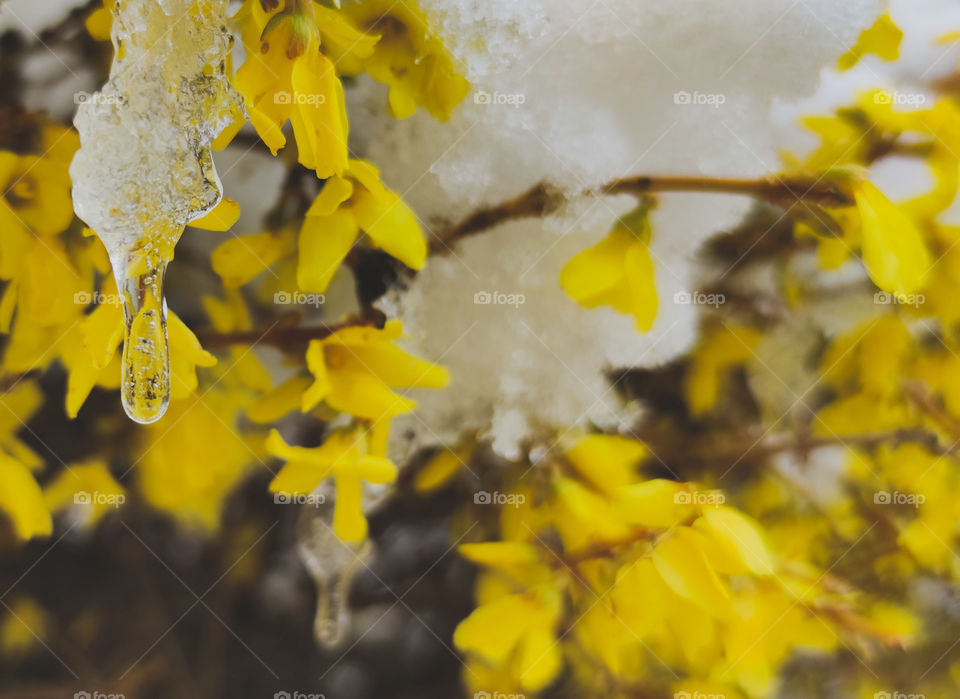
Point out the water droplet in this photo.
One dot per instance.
(145, 372)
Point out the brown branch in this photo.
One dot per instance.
(543, 199)
(712, 451)
(603, 549)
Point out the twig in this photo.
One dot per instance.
(543, 199)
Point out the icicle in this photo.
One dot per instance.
(145, 373)
(332, 563)
(145, 170)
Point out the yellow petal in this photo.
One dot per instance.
(739, 538)
(894, 252)
(22, 500)
(643, 290)
(592, 273)
(882, 39)
(319, 118)
(363, 395)
(349, 522)
(335, 191)
(324, 243)
(392, 226)
(99, 23)
(493, 630)
(283, 399)
(220, 218)
(89, 485)
(317, 364)
(240, 259)
(185, 344)
(608, 461)
(681, 563)
(656, 503)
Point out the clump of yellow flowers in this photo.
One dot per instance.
(687, 556)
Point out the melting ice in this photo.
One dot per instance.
(145, 170)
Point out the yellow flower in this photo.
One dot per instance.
(408, 58)
(346, 205)
(192, 459)
(288, 78)
(719, 351)
(515, 622)
(617, 271)
(89, 486)
(608, 462)
(882, 39)
(355, 368)
(22, 500)
(17, 406)
(350, 457)
(34, 201)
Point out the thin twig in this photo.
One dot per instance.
(543, 199)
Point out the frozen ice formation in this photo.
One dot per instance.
(577, 94)
(145, 168)
(332, 564)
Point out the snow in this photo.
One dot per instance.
(577, 94)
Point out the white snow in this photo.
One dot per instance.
(579, 93)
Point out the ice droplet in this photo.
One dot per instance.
(145, 373)
(145, 170)
(333, 564)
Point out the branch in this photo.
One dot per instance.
(543, 199)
